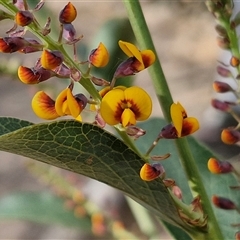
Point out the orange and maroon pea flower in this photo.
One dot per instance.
(68, 14)
(223, 203)
(230, 136)
(125, 105)
(218, 167)
(138, 60)
(34, 76)
(150, 172)
(66, 104)
(24, 18)
(181, 126)
(51, 59)
(12, 44)
(99, 57)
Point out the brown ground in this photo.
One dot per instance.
(184, 37)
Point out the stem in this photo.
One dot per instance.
(143, 37)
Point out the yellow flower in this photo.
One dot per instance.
(143, 59)
(126, 106)
(150, 172)
(99, 57)
(183, 124)
(65, 104)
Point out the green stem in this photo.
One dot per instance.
(144, 39)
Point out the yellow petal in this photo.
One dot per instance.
(44, 106)
(177, 117)
(110, 108)
(73, 105)
(148, 173)
(79, 118)
(189, 126)
(51, 59)
(148, 58)
(27, 76)
(139, 102)
(128, 118)
(61, 98)
(99, 57)
(131, 50)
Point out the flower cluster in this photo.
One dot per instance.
(230, 73)
(113, 105)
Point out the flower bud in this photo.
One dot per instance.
(223, 72)
(223, 43)
(99, 81)
(221, 87)
(177, 192)
(51, 59)
(234, 61)
(230, 136)
(223, 203)
(12, 44)
(217, 167)
(23, 18)
(135, 131)
(125, 68)
(99, 57)
(33, 76)
(220, 105)
(68, 14)
(69, 32)
(63, 71)
(150, 172)
(75, 74)
(99, 120)
(19, 4)
(221, 31)
(34, 46)
(169, 132)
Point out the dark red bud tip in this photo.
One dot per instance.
(169, 132)
(220, 105)
(217, 167)
(223, 203)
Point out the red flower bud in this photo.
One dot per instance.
(12, 44)
(68, 14)
(220, 105)
(230, 136)
(223, 72)
(223, 203)
(218, 167)
(221, 87)
(234, 61)
(23, 18)
(150, 172)
(169, 132)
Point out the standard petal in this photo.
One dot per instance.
(139, 102)
(130, 50)
(28, 76)
(44, 106)
(189, 126)
(128, 117)
(111, 107)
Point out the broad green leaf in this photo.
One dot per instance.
(91, 151)
(215, 184)
(8, 124)
(41, 207)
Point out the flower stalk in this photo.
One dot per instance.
(144, 39)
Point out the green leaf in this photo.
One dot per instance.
(41, 207)
(91, 151)
(8, 124)
(215, 184)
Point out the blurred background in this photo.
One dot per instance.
(185, 40)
